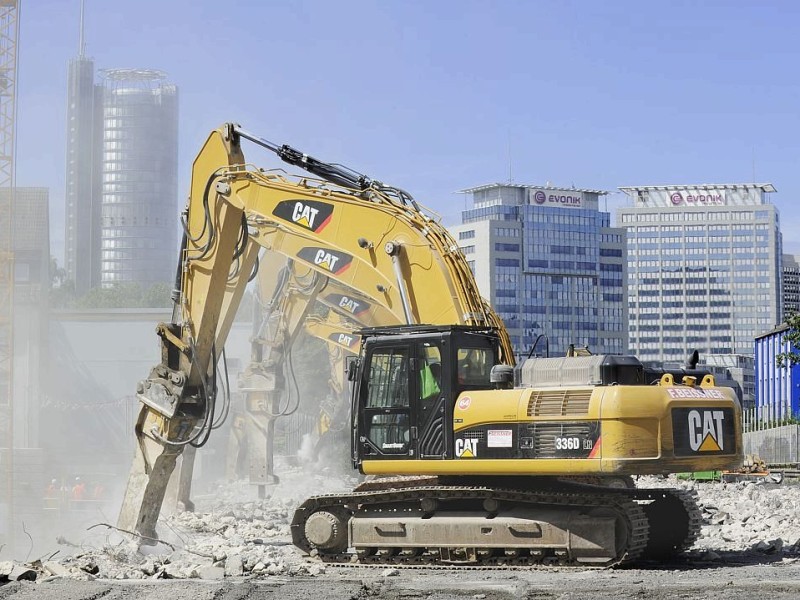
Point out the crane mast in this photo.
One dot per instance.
(9, 33)
(9, 29)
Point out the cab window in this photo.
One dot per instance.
(389, 432)
(388, 378)
(430, 372)
(474, 366)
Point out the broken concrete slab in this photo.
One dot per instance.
(6, 567)
(21, 573)
(52, 567)
(211, 572)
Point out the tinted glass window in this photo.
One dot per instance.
(388, 378)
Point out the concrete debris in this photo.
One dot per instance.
(233, 536)
(21, 573)
(11, 571)
(52, 567)
(212, 572)
(234, 566)
(6, 567)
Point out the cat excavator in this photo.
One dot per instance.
(474, 460)
(286, 306)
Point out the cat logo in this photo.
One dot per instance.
(348, 340)
(466, 448)
(351, 305)
(311, 214)
(705, 430)
(329, 260)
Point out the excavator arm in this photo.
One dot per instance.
(373, 243)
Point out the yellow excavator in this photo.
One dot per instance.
(475, 460)
(286, 307)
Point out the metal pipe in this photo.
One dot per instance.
(393, 250)
(536, 341)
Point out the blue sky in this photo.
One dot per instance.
(436, 96)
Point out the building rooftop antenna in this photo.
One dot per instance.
(81, 39)
(508, 146)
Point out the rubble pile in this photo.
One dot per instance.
(236, 539)
(755, 516)
(229, 535)
(232, 535)
(742, 516)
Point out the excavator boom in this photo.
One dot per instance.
(373, 242)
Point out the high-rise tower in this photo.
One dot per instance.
(82, 223)
(139, 177)
(121, 175)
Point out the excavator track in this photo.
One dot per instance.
(396, 521)
(674, 519)
(444, 525)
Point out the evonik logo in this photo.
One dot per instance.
(705, 430)
(311, 214)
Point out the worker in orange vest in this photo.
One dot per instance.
(79, 489)
(52, 489)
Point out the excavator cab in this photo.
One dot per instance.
(406, 384)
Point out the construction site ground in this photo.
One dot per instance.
(235, 547)
(737, 576)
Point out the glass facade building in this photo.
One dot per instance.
(82, 218)
(791, 284)
(122, 177)
(550, 264)
(704, 268)
(139, 178)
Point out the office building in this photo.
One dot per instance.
(777, 388)
(733, 367)
(82, 215)
(791, 284)
(139, 208)
(121, 176)
(31, 247)
(704, 268)
(550, 264)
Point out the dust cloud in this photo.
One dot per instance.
(67, 485)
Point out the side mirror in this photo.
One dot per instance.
(352, 370)
(502, 376)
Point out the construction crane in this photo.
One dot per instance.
(9, 33)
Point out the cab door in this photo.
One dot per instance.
(431, 414)
(385, 429)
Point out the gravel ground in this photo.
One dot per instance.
(234, 547)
